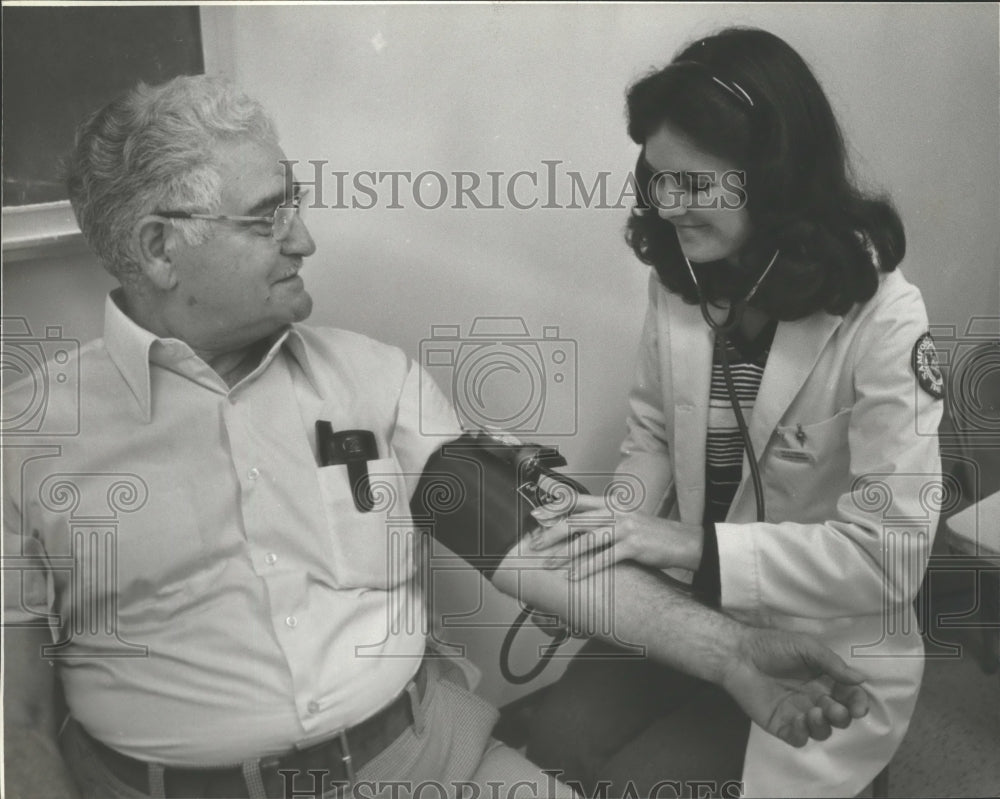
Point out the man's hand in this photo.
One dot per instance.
(789, 684)
(793, 686)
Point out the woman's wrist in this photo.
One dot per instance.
(687, 542)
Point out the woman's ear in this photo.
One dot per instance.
(153, 237)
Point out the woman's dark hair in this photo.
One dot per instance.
(745, 96)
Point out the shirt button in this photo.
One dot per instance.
(271, 559)
(254, 473)
(313, 707)
(291, 621)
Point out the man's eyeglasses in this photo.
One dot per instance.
(278, 225)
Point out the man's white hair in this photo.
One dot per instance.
(152, 149)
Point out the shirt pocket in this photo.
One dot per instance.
(369, 549)
(807, 468)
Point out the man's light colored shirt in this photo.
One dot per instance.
(213, 592)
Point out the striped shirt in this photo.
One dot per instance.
(724, 446)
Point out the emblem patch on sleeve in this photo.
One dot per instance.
(925, 366)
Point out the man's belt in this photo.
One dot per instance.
(333, 761)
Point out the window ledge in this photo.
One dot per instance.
(40, 231)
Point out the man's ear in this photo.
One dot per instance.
(154, 236)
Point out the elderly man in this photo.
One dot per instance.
(222, 615)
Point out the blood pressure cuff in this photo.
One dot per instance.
(476, 494)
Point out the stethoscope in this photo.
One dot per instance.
(733, 319)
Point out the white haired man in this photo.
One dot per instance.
(237, 631)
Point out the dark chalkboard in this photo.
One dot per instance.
(59, 64)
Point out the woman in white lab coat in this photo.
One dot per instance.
(769, 264)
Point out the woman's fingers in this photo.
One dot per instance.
(546, 537)
(594, 562)
(579, 549)
(558, 530)
(565, 500)
(581, 542)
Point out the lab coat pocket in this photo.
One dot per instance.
(373, 548)
(807, 468)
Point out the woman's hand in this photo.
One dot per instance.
(593, 537)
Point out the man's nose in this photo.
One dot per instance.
(299, 241)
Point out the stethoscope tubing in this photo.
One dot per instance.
(721, 342)
(721, 331)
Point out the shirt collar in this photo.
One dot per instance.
(130, 348)
(297, 346)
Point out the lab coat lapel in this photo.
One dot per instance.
(796, 348)
(691, 344)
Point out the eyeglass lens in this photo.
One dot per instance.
(284, 216)
(283, 219)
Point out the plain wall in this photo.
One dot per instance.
(500, 88)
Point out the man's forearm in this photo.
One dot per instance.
(631, 606)
(33, 765)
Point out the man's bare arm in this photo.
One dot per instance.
(33, 766)
(789, 684)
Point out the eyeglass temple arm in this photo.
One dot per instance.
(296, 202)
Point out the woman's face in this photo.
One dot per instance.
(702, 196)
